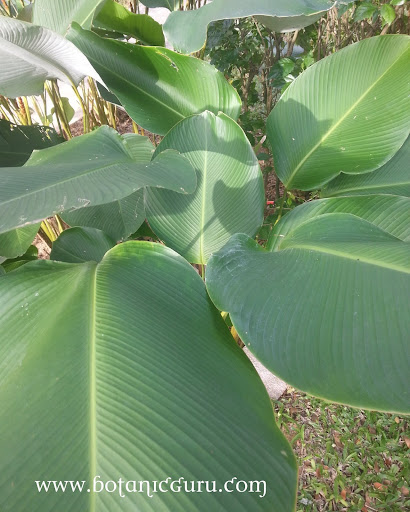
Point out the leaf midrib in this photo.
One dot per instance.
(349, 256)
(370, 187)
(72, 178)
(338, 123)
(133, 85)
(93, 388)
(203, 202)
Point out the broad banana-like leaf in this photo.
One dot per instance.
(77, 245)
(186, 30)
(30, 55)
(347, 113)
(392, 178)
(124, 369)
(18, 142)
(114, 17)
(15, 243)
(118, 219)
(390, 213)
(157, 87)
(92, 169)
(57, 15)
(229, 198)
(328, 312)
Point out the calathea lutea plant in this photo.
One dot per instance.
(115, 360)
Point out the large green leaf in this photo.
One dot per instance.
(57, 15)
(93, 169)
(328, 312)
(18, 142)
(229, 198)
(392, 178)
(14, 243)
(156, 86)
(347, 113)
(187, 29)
(390, 213)
(77, 245)
(115, 17)
(118, 219)
(30, 55)
(126, 370)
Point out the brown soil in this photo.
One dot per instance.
(42, 247)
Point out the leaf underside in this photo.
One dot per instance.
(328, 312)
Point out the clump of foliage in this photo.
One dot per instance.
(116, 356)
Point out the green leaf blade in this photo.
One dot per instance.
(78, 245)
(90, 170)
(17, 142)
(127, 399)
(157, 87)
(118, 219)
(229, 198)
(392, 178)
(187, 29)
(390, 213)
(115, 17)
(15, 243)
(353, 126)
(57, 15)
(328, 312)
(31, 55)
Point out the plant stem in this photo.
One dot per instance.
(22, 111)
(86, 120)
(285, 194)
(111, 114)
(60, 226)
(27, 109)
(48, 230)
(59, 108)
(98, 101)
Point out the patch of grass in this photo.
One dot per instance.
(350, 460)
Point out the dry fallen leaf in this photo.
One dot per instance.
(338, 442)
(407, 441)
(404, 491)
